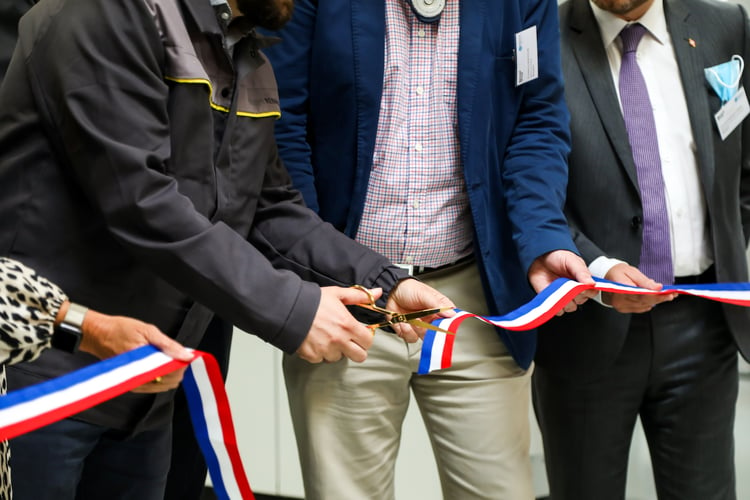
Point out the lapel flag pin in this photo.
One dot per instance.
(691, 42)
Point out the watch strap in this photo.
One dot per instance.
(74, 315)
(68, 333)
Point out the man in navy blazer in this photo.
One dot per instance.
(342, 64)
(671, 364)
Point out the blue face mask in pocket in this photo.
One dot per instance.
(725, 78)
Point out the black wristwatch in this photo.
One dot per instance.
(68, 333)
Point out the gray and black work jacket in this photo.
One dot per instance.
(117, 184)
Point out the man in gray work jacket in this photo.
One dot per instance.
(138, 170)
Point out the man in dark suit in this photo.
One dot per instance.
(671, 362)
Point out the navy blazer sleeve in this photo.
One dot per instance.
(535, 170)
(294, 58)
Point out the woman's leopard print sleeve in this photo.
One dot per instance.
(28, 306)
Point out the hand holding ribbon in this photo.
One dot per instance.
(27, 409)
(561, 264)
(437, 347)
(32, 407)
(409, 309)
(629, 302)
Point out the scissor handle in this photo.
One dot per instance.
(372, 306)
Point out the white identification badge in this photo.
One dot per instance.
(732, 113)
(527, 59)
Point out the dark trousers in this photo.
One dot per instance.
(71, 459)
(678, 372)
(187, 474)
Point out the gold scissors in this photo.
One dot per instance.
(412, 318)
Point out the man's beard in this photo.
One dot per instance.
(269, 14)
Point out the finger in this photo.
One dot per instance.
(362, 336)
(649, 300)
(639, 279)
(175, 377)
(167, 345)
(310, 356)
(307, 352)
(583, 275)
(570, 307)
(354, 351)
(332, 356)
(353, 296)
(412, 295)
(448, 313)
(590, 294)
(580, 299)
(409, 333)
(658, 299)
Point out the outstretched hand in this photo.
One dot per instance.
(413, 295)
(105, 336)
(335, 332)
(627, 303)
(561, 264)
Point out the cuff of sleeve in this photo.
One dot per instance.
(599, 268)
(298, 324)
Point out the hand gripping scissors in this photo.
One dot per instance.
(394, 317)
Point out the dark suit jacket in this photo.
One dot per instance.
(603, 206)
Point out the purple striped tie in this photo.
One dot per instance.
(656, 251)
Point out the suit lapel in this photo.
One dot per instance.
(588, 49)
(681, 27)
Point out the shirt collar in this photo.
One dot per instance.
(653, 20)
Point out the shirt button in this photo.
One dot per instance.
(418, 146)
(415, 204)
(225, 92)
(225, 15)
(420, 90)
(420, 33)
(409, 259)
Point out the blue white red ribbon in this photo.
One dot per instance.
(35, 406)
(27, 409)
(437, 347)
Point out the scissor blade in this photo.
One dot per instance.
(429, 326)
(421, 314)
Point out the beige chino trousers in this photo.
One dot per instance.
(347, 416)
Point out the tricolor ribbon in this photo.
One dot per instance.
(27, 409)
(437, 347)
(35, 406)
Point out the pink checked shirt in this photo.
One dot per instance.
(416, 209)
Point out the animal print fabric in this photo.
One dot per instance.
(28, 307)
